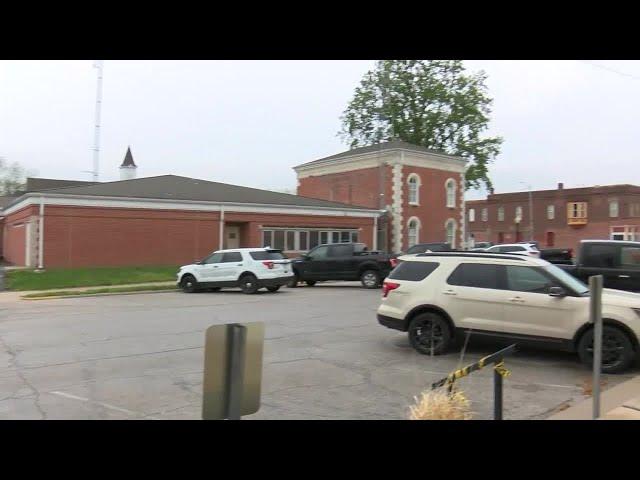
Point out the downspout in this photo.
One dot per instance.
(375, 232)
(221, 237)
(41, 235)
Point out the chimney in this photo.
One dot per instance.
(560, 186)
(128, 167)
(491, 191)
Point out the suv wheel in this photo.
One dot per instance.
(429, 331)
(274, 289)
(370, 279)
(249, 284)
(310, 283)
(294, 282)
(189, 284)
(617, 349)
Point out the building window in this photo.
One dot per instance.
(518, 214)
(501, 214)
(577, 213)
(634, 209)
(472, 215)
(413, 227)
(625, 233)
(414, 187)
(450, 186)
(551, 238)
(450, 228)
(485, 215)
(613, 208)
(302, 240)
(551, 212)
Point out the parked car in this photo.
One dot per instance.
(341, 261)
(516, 249)
(617, 261)
(555, 255)
(429, 247)
(435, 296)
(247, 268)
(480, 246)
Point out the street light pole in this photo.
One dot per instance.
(530, 211)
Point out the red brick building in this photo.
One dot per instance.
(168, 220)
(561, 217)
(421, 190)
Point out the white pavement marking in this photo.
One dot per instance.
(105, 405)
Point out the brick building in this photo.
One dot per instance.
(561, 217)
(421, 190)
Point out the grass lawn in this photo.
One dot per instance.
(21, 280)
(94, 291)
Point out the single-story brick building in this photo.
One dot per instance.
(167, 220)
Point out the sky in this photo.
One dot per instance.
(249, 122)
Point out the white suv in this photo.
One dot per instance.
(247, 268)
(434, 296)
(516, 249)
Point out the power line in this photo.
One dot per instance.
(612, 70)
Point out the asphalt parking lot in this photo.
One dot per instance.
(141, 356)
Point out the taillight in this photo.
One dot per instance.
(387, 287)
(394, 262)
(571, 252)
(269, 265)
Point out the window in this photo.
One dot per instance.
(231, 257)
(527, 279)
(413, 271)
(551, 238)
(345, 237)
(501, 214)
(518, 214)
(267, 238)
(354, 237)
(630, 257)
(324, 238)
(450, 228)
(303, 241)
(291, 240)
(213, 258)
(451, 193)
(314, 239)
(320, 253)
(414, 186)
(278, 239)
(613, 208)
(512, 248)
(335, 237)
(413, 226)
(472, 214)
(267, 255)
(485, 215)
(551, 212)
(341, 251)
(634, 209)
(477, 275)
(577, 213)
(627, 233)
(602, 256)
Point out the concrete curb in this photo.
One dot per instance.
(58, 297)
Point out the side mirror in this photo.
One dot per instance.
(557, 292)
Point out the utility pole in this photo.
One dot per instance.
(99, 64)
(530, 211)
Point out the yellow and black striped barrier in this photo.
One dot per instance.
(500, 372)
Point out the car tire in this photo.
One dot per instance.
(310, 283)
(617, 350)
(249, 284)
(273, 289)
(419, 333)
(370, 279)
(294, 282)
(189, 284)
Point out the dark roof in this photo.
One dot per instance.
(174, 187)
(618, 189)
(128, 159)
(378, 147)
(40, 184)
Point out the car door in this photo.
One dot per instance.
(629, 273)
(471, 296)
(602, 259)
(341, 263)
(207, 271)
(529, 310)
(317, 263)
(230, 267)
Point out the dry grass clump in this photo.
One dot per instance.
(441, 405)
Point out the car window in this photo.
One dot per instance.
(340, 251)
(528, 279)
(603, 256)
(319, 253)
(494, 249)
(513, 248)
(416, 249)
(477, 275)
(630, 257)
(213, 258)
(231, 257)
(267, 255)
(414, 271)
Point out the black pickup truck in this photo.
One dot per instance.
(341, 261)
(617, 261)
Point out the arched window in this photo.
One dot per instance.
(413, 227)
(450, 228)
(414, 187)
(450, 186)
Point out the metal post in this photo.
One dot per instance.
(96, 138)
(497, 395)
(237, 345)
(531, 213)
(595, 288)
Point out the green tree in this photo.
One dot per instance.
(12, 177)
(432, 103)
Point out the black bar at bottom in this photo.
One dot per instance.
(497, 395)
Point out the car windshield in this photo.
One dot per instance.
(568, 280)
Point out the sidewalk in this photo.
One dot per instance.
(621, 402)
(16, 296)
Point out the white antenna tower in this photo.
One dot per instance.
(99, 64)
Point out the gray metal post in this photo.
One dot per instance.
(237, 345)
(497, 395)
(531, 214)
(595, 288)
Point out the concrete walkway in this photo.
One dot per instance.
(621, 402)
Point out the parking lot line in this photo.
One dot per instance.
(102, 404)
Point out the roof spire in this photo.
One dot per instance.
(128, 159)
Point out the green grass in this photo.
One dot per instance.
(94, 291)
(22, 280)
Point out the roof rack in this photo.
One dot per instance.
(520, 258)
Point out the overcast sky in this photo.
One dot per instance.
(249, 122)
